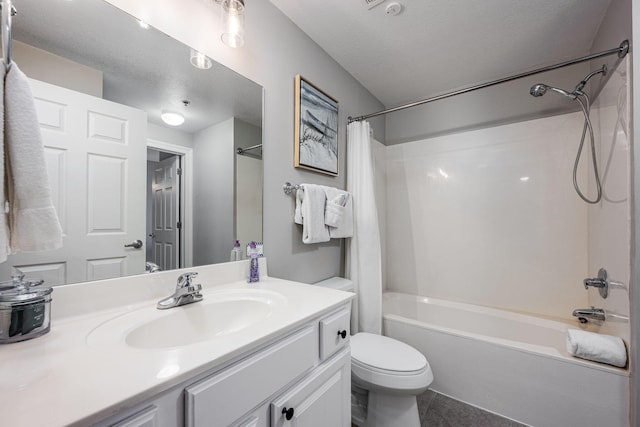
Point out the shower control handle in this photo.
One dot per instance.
(601, 282)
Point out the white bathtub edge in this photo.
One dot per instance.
(535, 350)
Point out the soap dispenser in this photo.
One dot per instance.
(254, 275)
(236, 253)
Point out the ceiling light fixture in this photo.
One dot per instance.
(233, 22)
(200, 60)
(172, 118)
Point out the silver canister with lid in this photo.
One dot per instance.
(25, 309)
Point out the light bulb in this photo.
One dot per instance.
(233, 22)
(200, 60)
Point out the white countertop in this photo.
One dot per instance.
(60, 379)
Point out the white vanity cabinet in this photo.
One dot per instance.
(302, 379)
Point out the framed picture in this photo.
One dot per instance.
(316, 129)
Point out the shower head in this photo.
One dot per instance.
(540, 89)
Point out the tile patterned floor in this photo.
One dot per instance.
(437, 410)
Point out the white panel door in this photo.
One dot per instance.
(165, 187)
(96, 156)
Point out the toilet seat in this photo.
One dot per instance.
(387, 364)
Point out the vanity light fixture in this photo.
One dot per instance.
(232, 22)
(172, 118)
(200, 60)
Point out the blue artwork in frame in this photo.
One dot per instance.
(316, 129)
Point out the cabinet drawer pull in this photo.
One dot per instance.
(342, 334)
(288, 413)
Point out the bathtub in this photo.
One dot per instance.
(512, 364)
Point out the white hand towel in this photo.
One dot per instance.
(33, 222)
(339, 213)
(597, 347)
(310, 213)
(297, 217)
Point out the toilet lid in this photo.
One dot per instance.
(384, 353)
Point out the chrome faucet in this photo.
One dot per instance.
(589, 313)
(185, 293)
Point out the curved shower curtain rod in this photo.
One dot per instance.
(621, 50)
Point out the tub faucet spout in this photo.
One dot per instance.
(591, 313)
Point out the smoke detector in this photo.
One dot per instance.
(372, 3)
(393, 9)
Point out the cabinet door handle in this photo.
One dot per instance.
(342, 334)
(288, 413)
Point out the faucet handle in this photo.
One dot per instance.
(601, 282)
(194, 288)
(185, 279)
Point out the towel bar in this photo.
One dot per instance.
(289, 188)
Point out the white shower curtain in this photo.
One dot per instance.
(364, 262)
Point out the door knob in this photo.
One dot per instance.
(135, 245)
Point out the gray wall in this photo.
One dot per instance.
(275, 51)
(213, 189)
(170, 135)
(246, 135)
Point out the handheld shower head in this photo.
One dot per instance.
(540, 89)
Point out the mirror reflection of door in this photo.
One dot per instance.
(92, 149)
(164, 240)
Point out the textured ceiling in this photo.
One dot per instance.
(434, 46)
(142, 68)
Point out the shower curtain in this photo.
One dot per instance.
(364, 262)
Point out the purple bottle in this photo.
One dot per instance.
(254, 275)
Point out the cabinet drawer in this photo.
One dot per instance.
(225, 397)
(332, 330)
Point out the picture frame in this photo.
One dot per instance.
(316, 129)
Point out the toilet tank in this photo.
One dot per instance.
(339, 283)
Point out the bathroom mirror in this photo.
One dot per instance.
(131, 191)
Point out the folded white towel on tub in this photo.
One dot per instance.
(597, 347)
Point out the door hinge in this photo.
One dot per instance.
(179, 225)
(179, 172)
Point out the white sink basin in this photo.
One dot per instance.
(218, 315)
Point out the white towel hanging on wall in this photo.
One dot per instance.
(310, 204)
(33, 221)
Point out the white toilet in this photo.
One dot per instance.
(392, 372)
